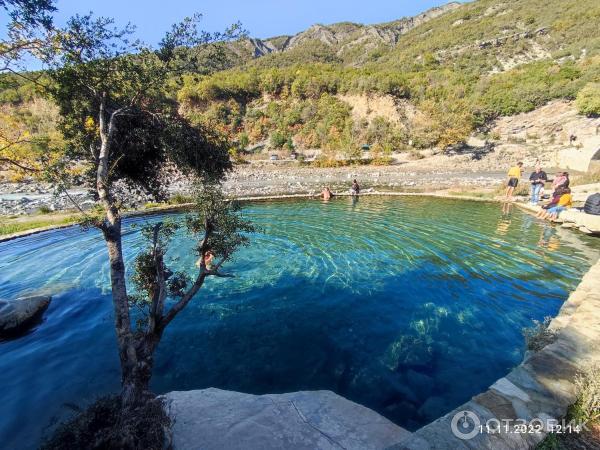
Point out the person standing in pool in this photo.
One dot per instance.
(355, 189)
(326, 194)
(514, 174)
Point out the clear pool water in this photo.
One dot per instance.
(406, 305)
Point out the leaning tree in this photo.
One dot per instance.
(121, 127)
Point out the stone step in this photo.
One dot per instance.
(224, 420)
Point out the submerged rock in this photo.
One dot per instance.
(217, 419)
(17, 315)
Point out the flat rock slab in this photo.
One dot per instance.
(17, 315)
(216, 419)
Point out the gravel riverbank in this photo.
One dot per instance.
(260, 180)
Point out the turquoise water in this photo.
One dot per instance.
(406, 305)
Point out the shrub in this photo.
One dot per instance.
(180, 199)
(105, 425)
(278, 139)
(587, 407)
(585, 410)
(588, 100)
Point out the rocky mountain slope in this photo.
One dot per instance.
(346, 38)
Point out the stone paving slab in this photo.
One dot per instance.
(224, 420)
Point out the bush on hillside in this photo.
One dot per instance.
(588, 100)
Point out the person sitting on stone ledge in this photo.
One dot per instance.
(553, 201)
(564, 203)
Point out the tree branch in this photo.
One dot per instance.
(181, 304)
(159, 292)
(19, 165)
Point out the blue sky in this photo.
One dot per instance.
(262, 18)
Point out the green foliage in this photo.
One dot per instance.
(218, 222)
(98, 65)
(278, 139)
(528, 87)
(450, 68)
(585, 409)
(180, 199)
(10, 226)
(588, 100)
(583, 412)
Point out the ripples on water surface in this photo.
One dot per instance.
(407, 305)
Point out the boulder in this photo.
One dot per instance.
(17, 315)
(216, 419)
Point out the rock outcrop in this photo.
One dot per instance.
(225, 420)
(342, 37)
(555, 134)
(17, 315)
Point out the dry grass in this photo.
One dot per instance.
(586, 410)
(586, 178)
(11, 224)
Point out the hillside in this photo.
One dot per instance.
(442, 76)
(428, 82)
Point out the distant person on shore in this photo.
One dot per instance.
(514, 174)
(355, 189)
(537, 178)
(564, 203)
(326, 194)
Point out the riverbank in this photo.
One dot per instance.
(21, 226)
(257, 180)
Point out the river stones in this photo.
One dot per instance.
(18, 315)
(216, 419)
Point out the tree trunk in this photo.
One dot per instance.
(132, 382)
(135, 390)
(125, 344)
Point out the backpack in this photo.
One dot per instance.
(592, 205)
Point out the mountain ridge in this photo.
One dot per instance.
(344, 35)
